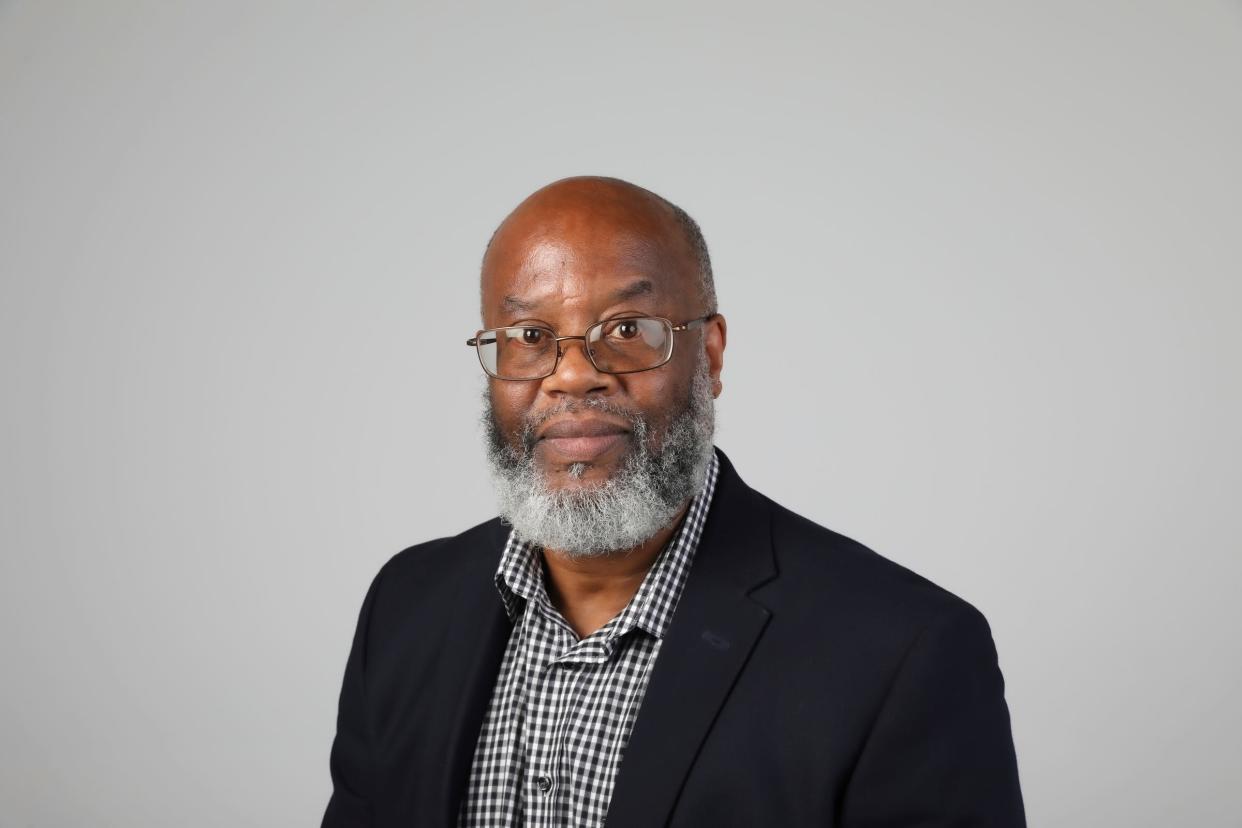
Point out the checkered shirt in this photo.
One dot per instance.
(563, 708)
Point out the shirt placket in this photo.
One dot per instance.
(554, 687)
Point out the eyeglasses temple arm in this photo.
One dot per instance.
(694, 323)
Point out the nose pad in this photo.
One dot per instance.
(587, 351)
(579, 377)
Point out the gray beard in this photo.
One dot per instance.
(631, 506)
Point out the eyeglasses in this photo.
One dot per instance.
(623, 345)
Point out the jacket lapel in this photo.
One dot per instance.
(479, 631)
(712, 633)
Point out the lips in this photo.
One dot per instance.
(579, 440)
(581, 428)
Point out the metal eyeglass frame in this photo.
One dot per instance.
(477, 343)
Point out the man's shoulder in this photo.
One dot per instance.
(437, 564)
(827, 574)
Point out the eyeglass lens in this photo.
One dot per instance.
(615, 346)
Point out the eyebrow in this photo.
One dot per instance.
(516, 305)
(643, 287)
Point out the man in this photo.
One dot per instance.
(640, 636)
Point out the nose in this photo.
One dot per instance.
(576, 375)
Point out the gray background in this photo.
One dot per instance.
(980, 267)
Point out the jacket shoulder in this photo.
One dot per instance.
(433, 566)
(838, 577)
(479, 540)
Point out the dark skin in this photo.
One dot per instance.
(575, 252)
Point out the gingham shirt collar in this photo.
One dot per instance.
(519, 578)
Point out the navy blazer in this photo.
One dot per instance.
(804, 681)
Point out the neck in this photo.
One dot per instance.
(590, 591)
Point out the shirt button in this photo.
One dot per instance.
(544, 783)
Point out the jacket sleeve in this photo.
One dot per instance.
(351, 762)
(941, 750)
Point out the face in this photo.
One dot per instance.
(567, 258)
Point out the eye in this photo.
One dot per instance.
(624, 329)
(532, 336)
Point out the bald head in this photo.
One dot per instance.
(590, 207)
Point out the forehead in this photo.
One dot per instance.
(577, 256)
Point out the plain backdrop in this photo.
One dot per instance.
(979, 261)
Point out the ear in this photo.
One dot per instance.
(715, 334)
